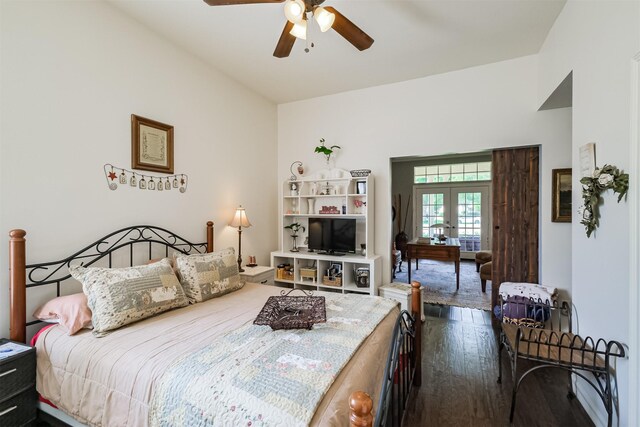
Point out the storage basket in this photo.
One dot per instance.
(308, 273)
(332, 280)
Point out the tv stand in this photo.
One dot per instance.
(332, 253)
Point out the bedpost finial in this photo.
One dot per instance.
(415, 285)
(361, 406)
(17, 234)
(209, 236)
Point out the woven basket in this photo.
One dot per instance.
(332, 281)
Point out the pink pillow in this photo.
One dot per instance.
(71, 311)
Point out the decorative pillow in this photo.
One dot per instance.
(206, 276)
(70, 311)
(119, 296)
(171, 263)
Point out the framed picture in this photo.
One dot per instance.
(587, 159)
(361, 187)
(561, 190)
(151, 145)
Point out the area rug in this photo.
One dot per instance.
(440, 280)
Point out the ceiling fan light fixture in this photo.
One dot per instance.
(299, 30)
(294, 10)
(324, 18)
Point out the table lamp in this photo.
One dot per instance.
(240, 220)
(440, 230)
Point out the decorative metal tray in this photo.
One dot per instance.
(292, 312)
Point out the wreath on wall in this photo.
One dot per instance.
(606, 178)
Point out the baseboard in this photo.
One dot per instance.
(592, 404)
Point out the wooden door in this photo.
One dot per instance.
(515, 197)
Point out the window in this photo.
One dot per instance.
(459, 172)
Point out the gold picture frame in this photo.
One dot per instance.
(151, 145)
(561, 191)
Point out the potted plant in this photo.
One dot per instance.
(295, 227)
(326, 151)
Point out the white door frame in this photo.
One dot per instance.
(457, 185)
(634, 248)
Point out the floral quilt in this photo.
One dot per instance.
(255, 376)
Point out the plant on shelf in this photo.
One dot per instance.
(295, 227)
(607, 178)
(326, 151)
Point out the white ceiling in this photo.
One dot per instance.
(412, 39)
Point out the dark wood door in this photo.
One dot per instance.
(515, 195)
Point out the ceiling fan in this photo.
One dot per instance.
(296, 27)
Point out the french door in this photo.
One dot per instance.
(457, 211)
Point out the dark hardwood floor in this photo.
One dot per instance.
(459, 372)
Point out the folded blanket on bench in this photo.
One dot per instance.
(528, 290)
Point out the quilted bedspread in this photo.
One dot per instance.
(255, 376)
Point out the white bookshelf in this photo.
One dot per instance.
(328, 194)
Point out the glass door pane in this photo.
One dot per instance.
(471, 218)
(432, 208)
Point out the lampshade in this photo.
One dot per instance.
(294, 10)
(240, 218)
(439, 225)
(299, 30)
(323, 18)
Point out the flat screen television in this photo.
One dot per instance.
(332, 235)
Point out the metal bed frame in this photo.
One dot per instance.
(400, 372)
(56, 272)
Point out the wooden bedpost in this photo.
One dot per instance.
(416, 310)
(361, 405)
(209, 236)
(18, 285)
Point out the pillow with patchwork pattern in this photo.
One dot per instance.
(206, 276)
(120, 296)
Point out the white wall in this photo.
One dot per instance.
(465, 111)
(72, 74)
(597, 41)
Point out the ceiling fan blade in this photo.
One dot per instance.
(231, 2)
(285, 44)
(350, 31)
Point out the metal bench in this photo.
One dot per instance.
(546, 338)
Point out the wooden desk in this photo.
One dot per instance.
(450, 251)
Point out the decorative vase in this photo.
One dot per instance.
(311, 203)
(331, 163)
(401, 243)
(295, 244)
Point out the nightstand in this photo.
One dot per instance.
(18, 395)
(258, 274)
(401, 292)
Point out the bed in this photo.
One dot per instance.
(122, 378)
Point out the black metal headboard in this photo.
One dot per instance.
(154, 240)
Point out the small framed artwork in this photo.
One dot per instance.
(361, 187)
(587, 159)
(151, 145)
(561, 190)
